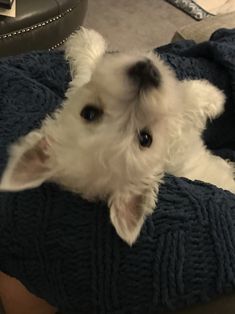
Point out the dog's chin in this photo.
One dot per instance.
(91, 187)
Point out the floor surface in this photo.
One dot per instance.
(135, 24)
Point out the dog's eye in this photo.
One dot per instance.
(145, 139)
(91, 113)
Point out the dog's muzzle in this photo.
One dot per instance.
(145, 74)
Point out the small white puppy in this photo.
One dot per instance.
(125, 122)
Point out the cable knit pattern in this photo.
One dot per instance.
(65, 250)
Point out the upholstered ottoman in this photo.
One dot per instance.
(43, 24)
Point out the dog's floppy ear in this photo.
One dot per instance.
(29, 163)
(128, 215)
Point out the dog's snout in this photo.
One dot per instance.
(145, 74)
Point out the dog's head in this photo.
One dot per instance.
(109, 139)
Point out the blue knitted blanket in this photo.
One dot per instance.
(65, 250)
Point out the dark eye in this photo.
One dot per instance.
(91, 113)
(145, 139)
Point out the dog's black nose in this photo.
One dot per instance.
(145, 74)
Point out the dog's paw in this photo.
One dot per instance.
(83, 50)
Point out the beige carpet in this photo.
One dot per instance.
(217, 6)
(131, 24)
(144, 24)
(202, 30)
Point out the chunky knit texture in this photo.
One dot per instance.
(65, 250)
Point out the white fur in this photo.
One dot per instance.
(103, 159)
(83, 50)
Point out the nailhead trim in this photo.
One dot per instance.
(28, 29)
(64, 40)
(58, 44)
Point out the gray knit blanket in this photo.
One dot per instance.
(65, 250)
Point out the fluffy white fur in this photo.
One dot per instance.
(103, 159)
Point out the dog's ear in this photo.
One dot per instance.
(203, 100)
(29, 163)
(128, 216)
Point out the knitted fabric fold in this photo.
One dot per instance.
(65, 250)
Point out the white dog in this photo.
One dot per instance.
(125, 122)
